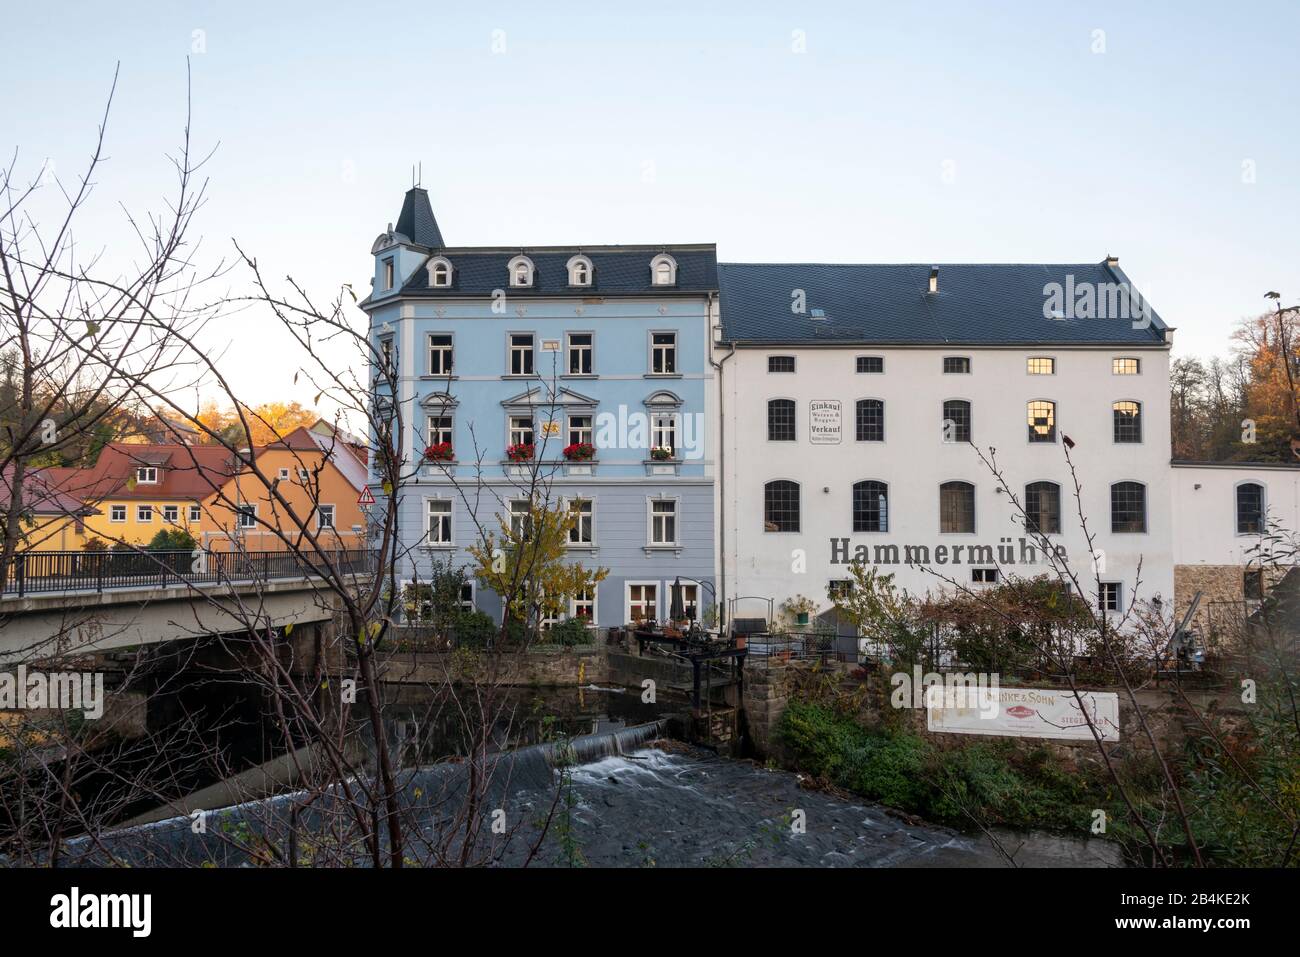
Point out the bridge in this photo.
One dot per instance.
(56, 604)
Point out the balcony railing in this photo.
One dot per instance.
(42, 573)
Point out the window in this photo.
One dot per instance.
(439, 430)
(521, 271)
(580, 353)
(388, 273)
(870, 507)
(579, 429)
(781, 506)
(386, 355)
(117, 513)
(437, 523)
(984, 576)
(1252, 584)
(780, 420)
(581, 533)
(1041, 366)
(324, 516)
(580, 271)
(583, 605)
(663, 522)
(466, 597)
(690, 600)
(1128, 507)
(440, 353)
(1126, 366)
(144, 514)
(521, 518)
(871, 364)
(1043, 508)
(1108, 596)
(1250, 508)
(1127, 418)
(641, 602)
(304, 475)
(663, 270)
(146, 475)
(521, 430)
(663, 353)
(247, 516)
(780, 363)
(870, 416)
(439, 273)
(171, 514)
(1042, 421)
(663, 430)
(956, 421)
(838, 589)
(521, 353)
(956, 508)
(196, 513)
(955, 365)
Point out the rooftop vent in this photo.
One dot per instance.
(934, 279)
(818, 313)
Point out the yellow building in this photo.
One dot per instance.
(51, 521)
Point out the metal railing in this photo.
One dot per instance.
(43, 573)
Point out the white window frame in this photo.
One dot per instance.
(589, 430)
(112, 511)
(511, 429)
(651, 502)
(283, 474)
(528, 276)
(591, 516)
(449, 514)
(333, 513)
(1119, 597)
(196, 513)
(570, 349)
(141, 511)
(657, 349)
(174, 518)
(530, 352)
(595, 605)
(440, 272)
(576, 263)
(142, 470)
(447, 354)
(627, 598)
(434, 435)
(515, 514)
(247, 510)
(660, 432)
(661, 277)
(472, 604)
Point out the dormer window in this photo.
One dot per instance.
(521, 271)
(388, 273)
(580, 271)
(146, 475)
(439, 273)
(663, 270)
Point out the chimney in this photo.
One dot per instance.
(934, 279)
(1112, 261)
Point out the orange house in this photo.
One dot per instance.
(306, 484)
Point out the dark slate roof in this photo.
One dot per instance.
(416, 221)
(619, 271)
(977, 304)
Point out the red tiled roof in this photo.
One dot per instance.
(41, 496)
(188, 473)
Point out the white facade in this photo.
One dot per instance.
(914, 460)
(1208, 527)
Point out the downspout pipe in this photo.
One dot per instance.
(720, 478)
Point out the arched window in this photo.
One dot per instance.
(1250, 508)
(956, 507)
(870, 506)
(521, 271)
(870, 417)
(580, 271)
(1042, 420)
(781, 506)
(780, 420)
(1128, 507)
(439, 273)
(1043, 508)
(663, 270)
(956, 421)
(1127, 416)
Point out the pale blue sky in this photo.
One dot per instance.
(693, 122)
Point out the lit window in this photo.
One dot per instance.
(521, 353)
(956, 365)
(1042, 421)
(438, 521)
(1126, 366)
(956, 508)
(1127, 418)
(440, 353)
(1042, 366)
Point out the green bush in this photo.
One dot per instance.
(474, 629)
(567, 633)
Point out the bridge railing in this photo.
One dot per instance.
(33, 573)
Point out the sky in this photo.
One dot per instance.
(1164, 133)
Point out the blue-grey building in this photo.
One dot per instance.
(498, 348)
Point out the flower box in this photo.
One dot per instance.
(580, 452)
(521, 452)
(440, 452)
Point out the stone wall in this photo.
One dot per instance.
(546, 667)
